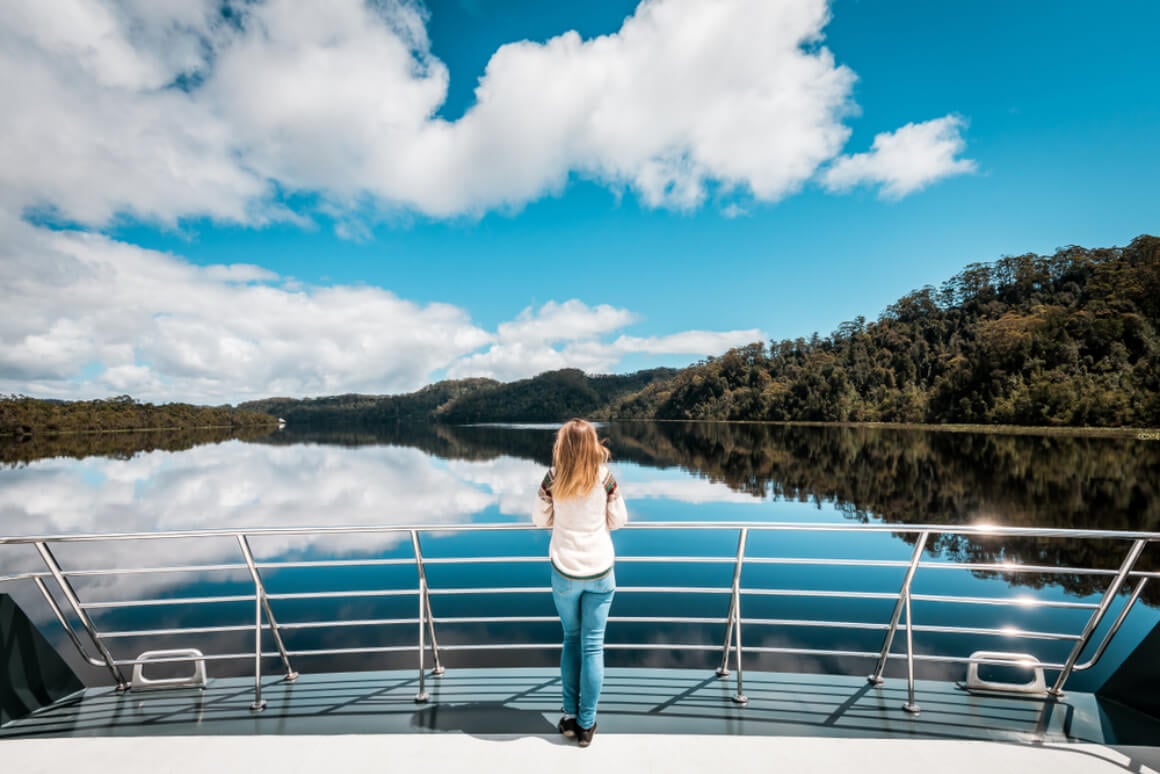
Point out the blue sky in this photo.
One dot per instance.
(326, 205)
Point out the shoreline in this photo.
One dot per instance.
(113, 431)
(1139, 433)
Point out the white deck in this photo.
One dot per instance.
(504, 719)
(513, 754)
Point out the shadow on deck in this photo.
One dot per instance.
(506, 702)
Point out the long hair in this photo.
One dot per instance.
(577, 456)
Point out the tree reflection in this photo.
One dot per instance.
(867, 474)
(117, 445)
(901, 476)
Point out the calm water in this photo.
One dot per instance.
(669, 472)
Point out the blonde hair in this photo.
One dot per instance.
(577, 456)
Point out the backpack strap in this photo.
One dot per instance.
(609, 485)
(546, 485)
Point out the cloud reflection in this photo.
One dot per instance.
(241, 485)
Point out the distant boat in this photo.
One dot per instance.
(281, 423)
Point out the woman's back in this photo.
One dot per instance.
(581, 545)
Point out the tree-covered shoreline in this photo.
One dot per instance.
(1070, 339)
(21, 416)
(1066, 340)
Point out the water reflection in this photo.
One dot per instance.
(670, 471)
(288, 484)
(444, 474)
(904, 476)
(27, 449)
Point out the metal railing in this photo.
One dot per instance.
(733, 645)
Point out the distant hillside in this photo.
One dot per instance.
(550, 397)
(1070, 339)
(370, 410)
(1067, 339)
(23, 416)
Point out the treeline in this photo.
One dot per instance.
(1067, 339)
(22, 416)
(549, 397)
(354, 410)
(16, 452)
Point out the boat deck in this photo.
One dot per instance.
(650, 720)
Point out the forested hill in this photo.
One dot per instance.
(1070, 339)
(370, 410)
(549, 397)
(23, 416)
(1066, 339)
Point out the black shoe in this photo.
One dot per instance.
(584, 735)
(567, 727)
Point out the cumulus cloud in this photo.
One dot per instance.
(688, 342)
(570, 335)
(90, 128)
(86, 315)
(905, 160)
(159, 327)
(168, 110)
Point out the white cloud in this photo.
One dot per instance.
(165, 110)
(87, 316)
(905, 160)
(89, 129)
(168, 110)
(162, 328)
(568, 321)
(689, 342)
(572, 335)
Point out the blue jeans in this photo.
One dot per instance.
(583, 607)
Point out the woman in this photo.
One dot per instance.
(579, 500)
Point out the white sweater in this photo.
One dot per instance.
(581, 545)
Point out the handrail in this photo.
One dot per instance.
(264, 601)
(779, 526)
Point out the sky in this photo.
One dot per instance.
(217, 200)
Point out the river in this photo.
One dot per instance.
(670, 472)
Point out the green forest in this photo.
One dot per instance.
(548, 397)
(22, 416)
(1070, 339)
(1067, 340)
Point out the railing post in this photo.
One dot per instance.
(75, 603)
(426, 622)
(60, 617)
(1115, 627)
(438, 668)
(259, 703)
(1097, 615)
(723, 670)
(911, 706)
(903, 596)
(260, 590)
(735, 619)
